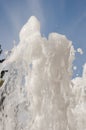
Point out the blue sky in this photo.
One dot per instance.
(67, 17)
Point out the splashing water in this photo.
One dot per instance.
(38, 93)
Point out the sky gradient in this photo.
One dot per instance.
(66, 17)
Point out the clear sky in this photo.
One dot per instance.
(67, 17)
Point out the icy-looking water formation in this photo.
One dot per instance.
(38, 93)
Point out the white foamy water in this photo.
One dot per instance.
(38, 93)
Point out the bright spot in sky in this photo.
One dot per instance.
(80, 51)
(75, 67)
